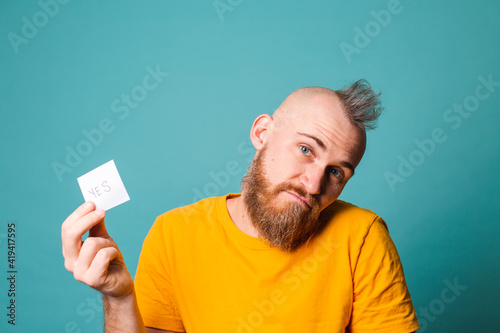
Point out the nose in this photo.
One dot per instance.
(312, 179)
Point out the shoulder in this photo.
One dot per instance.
(348, 225)
(187, 218)
(185, 213)
(341, 207)
(346, 215)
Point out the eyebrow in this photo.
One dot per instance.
(323, 147)
(318, 141)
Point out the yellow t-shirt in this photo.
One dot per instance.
(199, 273)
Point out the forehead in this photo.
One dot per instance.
(323, 121)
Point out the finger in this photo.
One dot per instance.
(74, 217)
(84, 209)
(72, 236)
(99, 230)
(88, 251)
(97, 274)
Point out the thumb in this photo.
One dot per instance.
(99, 230)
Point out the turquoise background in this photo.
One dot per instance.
(223, 72)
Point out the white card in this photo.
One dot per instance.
(103, 186)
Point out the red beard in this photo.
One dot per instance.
(287, 226)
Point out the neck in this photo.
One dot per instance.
(239, 214)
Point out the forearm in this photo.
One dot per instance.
(122, 315)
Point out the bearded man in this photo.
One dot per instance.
(283, 256)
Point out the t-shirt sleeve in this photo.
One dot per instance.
(153, 284)
(381, 301)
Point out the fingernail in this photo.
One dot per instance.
(88, 204)
(100, 212)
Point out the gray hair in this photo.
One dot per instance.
(361, 104)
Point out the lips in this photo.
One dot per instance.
(300, 198)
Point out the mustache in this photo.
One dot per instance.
(299, 190)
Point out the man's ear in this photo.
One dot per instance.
(259, 134)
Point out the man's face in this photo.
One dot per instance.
(307, 158)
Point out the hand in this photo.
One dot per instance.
(97, 261)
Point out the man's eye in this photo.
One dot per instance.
(336, 173)
(305, 150)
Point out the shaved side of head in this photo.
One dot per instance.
(299, 101)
